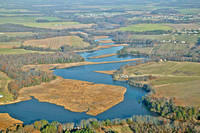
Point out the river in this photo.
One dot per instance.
(33, 110)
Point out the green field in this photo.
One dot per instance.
(2, 10)
(167, 68)
(189, 11)
(31, 21)
(15, 34)
(57, 42)
(152, 37)
(192, 39)
(166, 48)
(9, 43)
(145, 27)
(24, 20)
(4, 80)
(17, 15)
(18, 51)
(174, 79)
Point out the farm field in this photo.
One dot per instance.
(179, 80)
(152, 37)
(31, 22)
(9, 44)
(18, 51)
(3, 10)
(191, 39)
(182, 26)
(163, 48)
(145, 27)
(189, 11)
(57, 42)
(60, 62)
(24, 20)
(15, 34)
(166, 48)
(34, 14)
(141, 50)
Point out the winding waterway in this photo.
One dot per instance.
(32, 110)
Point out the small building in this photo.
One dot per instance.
(124, 76)
(183, 42)
(1, 96)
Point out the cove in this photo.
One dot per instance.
(33, 110)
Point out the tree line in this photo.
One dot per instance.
(12, 66)
(164, 107)
(135, 123)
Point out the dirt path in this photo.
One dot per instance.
(173, 37)
(172, 68)
(152, 48)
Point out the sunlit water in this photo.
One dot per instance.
(32, 110)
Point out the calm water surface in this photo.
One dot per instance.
(32, 110)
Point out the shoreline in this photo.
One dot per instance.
(78, 102)
(100, 47)
(48, 67)
(102, 56)
(6, 121)
(106, 72)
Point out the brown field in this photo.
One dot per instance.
(83, 33)
(177, 80)
(100, 37)
(7, 122)
(106, 41)
(102, 47)
(102, 56)
(184, 94)
(8, 46)
(77, 96)
(57, 42)
(70, 26)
